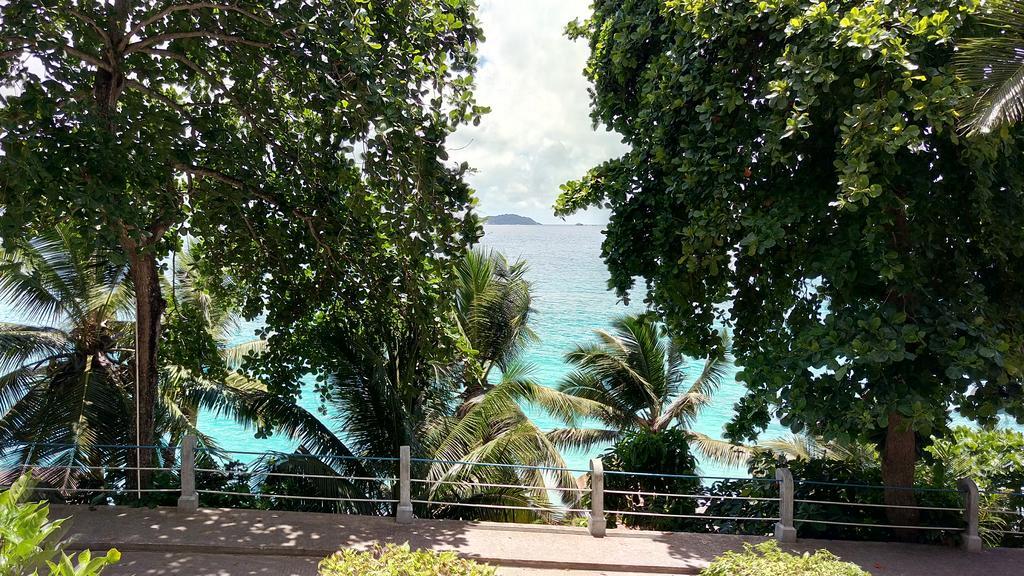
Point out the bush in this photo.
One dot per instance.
(26, 546)
(393, 560)
(767, 560)
(666, 452)
(828, 480)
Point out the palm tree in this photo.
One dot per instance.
(636, 374)
(67, 387)
(492, 312)
(68, 381)
(470, 412)
(993, 66)
(805, 447)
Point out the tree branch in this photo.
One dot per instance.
(239, 185)
(187, 7)
(161, 38)
(103, 33)
(154, 94)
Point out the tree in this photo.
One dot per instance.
(466, 410)
(67, 388)
(993, 67)
(493, 304)
(795, 173)
(637, 377)
(238, 122)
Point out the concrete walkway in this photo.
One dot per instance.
(218, 542)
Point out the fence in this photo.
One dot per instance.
(390, 482)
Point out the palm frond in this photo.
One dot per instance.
(721, 451)
(993, 66)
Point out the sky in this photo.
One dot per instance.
(538, 134)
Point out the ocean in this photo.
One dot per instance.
(571, 300)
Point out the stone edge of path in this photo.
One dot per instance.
(275, 551)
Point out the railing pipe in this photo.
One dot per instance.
(785, 531)
(597, 523)
(970, 540)
(189, 499)
(404, 513)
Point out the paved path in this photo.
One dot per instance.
(215, 542)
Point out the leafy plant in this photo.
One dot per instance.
(237, 124)
(656, 453)
(795, 172)
(28, 540)
(990, 63)
(391, 560)
(766, 559)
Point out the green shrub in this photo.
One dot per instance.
(665, 452)
(767, 560)
(393, 560)
(27, 546)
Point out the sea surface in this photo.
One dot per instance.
(571, 300)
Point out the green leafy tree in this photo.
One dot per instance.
(795, 172)
(302, 141)
(991, 64)
(637, 377)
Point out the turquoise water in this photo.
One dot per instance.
(571, 300)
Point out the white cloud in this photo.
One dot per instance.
(538, 134)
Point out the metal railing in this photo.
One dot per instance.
(388, 489)
(67, 476)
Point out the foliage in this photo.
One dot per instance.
(636, 376)
(994, 459)
(795, 172)
(67, 390)
(392, 559)
(28, 543)
(465, 410)
(301, 143)
(70, 381)
(831, 479)
(766, 559)
(990, 64)
(664, 454)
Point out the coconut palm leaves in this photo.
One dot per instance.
(64, 383)
(993, 66)
(72, 383)
(636, 375)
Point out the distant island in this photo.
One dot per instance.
(515, 219)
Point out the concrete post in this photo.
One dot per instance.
(404, 515)
(189, 500)
(971, 541)
(597, 522)
(784, 530)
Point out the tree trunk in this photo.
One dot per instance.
(149, 306)
(898, 458)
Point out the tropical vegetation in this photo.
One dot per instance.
(236, 124)
(392, 559)
(637, 376)
(67, 389)
(795, 171)
(831, 192)
(990, 63)
(767, 559)
(29, 543)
